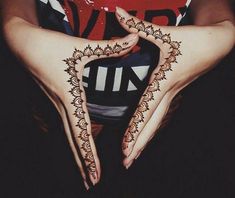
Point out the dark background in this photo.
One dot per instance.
(192, 157)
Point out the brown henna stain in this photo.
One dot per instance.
(154, 85)
(76, 92)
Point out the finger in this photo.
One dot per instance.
(159, 118)
(68, 132)
(150, 129)
(94, 50)
(105, 48)
(79, 121)
(146, 107)
(74, 149)
(132, 24)
(158, 35)
(158, 86)
(87, 146)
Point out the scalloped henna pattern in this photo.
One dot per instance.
(154, 85)
(76, 91)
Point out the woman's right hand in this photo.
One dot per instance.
(56, 62)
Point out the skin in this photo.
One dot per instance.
(59, 74)
(83, 126)
(40, 51)
(186, 53)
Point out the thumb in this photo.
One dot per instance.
(134, 25)
(146, 30)
(106, 48)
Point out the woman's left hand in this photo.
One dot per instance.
(186, 53)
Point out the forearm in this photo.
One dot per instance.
(211, 11)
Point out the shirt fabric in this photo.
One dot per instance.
(113, 86)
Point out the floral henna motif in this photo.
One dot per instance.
(154, 86)
(76, 92)
(79, 111)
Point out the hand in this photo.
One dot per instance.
(56, 62)
(185, 54)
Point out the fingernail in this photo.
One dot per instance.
(94, 178)
(118, 9)
(121, 12)
(86, 185)
(137, 156)
(129, 164)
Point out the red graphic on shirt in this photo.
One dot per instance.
(94, 13)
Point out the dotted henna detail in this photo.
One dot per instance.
(154, 85)
(76, 92)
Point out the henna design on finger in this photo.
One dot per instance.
(154, 86)
(78, 102)
(79, 112)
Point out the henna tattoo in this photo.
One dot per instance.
(154, 86)
(78, 102)
(79, 110)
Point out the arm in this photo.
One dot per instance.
(186, 53)
(56, 63)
